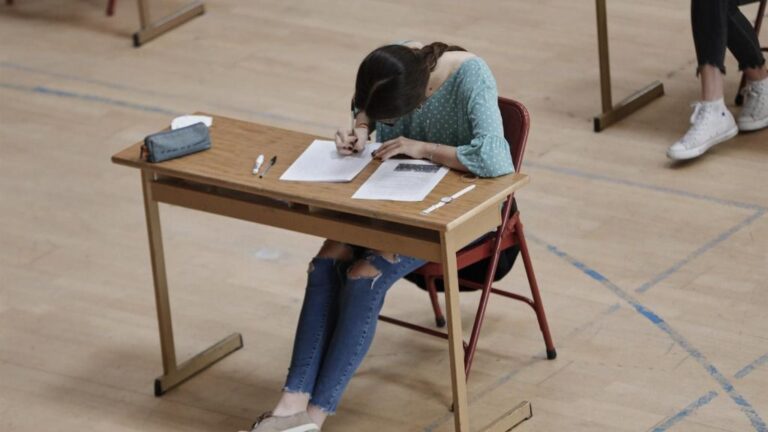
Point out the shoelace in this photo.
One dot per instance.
(697, 129)
(697, 107)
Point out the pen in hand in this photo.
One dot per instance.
(352, 134)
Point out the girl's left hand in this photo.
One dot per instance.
(404, 146)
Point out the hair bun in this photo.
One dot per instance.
(431, 53)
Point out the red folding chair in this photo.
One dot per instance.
(509, 234)
(758, 25)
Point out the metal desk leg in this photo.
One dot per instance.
(612, 114)
(173, 374)
(150, 30)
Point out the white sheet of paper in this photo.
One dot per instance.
(402, 180)
(320, 162)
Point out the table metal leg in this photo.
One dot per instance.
(612, 114)
(173, 374)
(150, 30)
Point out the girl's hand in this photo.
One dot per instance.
(404, 146)
(348, 142)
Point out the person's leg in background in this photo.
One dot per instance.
(717, 25)
(711, 122)
(360, 301)
(743, 43)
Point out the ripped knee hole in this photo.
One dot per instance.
(363, 269)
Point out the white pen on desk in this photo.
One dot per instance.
(257, 165)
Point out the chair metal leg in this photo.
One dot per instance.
(538, 305)
(111, 7)
(469, 353)
(740, 97)
(9, 2)
(432, 288)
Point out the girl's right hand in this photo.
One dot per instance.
(348, 143)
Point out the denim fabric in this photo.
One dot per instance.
(718, 24)
(337, 323)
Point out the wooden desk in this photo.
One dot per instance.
(220, 181)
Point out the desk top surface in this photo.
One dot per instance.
(236, 144)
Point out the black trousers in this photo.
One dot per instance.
(718, 24)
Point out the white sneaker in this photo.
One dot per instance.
(754, 113)
(711, 124)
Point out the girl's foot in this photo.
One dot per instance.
(711, 124)
(754, 113)
(295, 423)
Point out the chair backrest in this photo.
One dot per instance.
(516, 122)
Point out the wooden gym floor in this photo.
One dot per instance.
(653, 275)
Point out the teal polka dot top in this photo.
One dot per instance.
(463, 113)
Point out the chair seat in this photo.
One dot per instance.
(475, 252)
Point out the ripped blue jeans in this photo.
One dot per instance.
(337, 323)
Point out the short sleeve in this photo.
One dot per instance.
(487, 154)
(385, 133)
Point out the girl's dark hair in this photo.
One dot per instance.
(392, 80)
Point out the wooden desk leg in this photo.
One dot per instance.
(150, 30)
(455, 336)
(173, 374)
(511, 418)
(612, 114)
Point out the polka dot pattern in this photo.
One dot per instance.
(463, 113)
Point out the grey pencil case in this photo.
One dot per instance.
(172, 144)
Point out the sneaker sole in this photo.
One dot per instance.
(303, 428)
(750, 126)
(698, 151)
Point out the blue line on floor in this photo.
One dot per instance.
(108, 84)
(685, 412)
(87, 97)
(700, 402)
(700, 251)
(757, 423)
(667, 190)
(748, 369)
(176, 97)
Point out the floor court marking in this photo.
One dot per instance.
(720, 238)
(140, 90)
(705, 399)
(757, 422)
